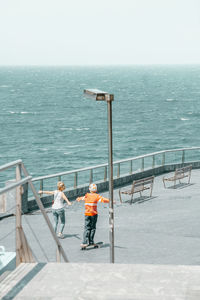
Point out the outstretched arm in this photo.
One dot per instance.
(104, 200)
(80, 198)
(46, 192)
(66, 199)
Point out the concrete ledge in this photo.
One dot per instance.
(108, 281)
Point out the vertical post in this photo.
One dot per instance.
(163, 159)
(153, 162)
(105, 174)
(142, 167)
(58, 254)
(110, 168)
(131, 167)
(91, 175)
(18, 217)
(183, 157)
(59, 178)
(75, 179)
(118, 171)
(41, 186)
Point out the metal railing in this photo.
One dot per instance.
(23, 252)
(122, 167)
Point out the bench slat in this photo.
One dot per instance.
(139, 186)
(179, 174)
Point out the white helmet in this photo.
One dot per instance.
(92, 187)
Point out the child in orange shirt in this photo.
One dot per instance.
(91, 199)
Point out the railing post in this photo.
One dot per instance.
(118, 170)
(153, 161)
(41, 186)
(131, 167)
(91, 175)
(183, 156)
(105, 173)
(58, 254)
(59, 178)
(142, 166)
(75, 179)
(163, 159)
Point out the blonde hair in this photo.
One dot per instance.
(61, 185)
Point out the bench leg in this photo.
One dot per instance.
(164, 183)
(174, 183)
(120, 197)
(151, 190)
(189, 178)
(131, 198)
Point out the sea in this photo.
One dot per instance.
(46, 121)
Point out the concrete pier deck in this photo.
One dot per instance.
(157, 242)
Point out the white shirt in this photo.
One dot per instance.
(58, 200)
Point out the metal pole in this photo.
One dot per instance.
(110, 169)
(18, 217)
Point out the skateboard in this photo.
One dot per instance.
(94, 246)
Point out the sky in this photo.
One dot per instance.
(99, 32)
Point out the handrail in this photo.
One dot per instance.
(16, 184)
(114, 163)
(23, 251)
(11, 164)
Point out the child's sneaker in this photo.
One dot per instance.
(60, 235)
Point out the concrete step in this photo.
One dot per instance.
(14, 277)
(4, 275)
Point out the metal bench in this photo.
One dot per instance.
(138, 186)
(179, 174)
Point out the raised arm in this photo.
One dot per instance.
(66, 199)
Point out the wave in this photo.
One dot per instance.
(184, 119)
(81, 129)
(21, 112)
(4, 86)
(73, 146)
(170, 100)
(66, 128)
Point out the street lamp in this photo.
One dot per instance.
(104, 96)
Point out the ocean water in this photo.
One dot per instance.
(46, 121)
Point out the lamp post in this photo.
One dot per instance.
(104, 96)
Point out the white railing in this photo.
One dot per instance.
(122, 167)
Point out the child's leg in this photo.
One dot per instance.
(87, 230)
(62, 219)
(55, 217)
(93, 229)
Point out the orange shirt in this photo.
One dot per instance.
(91, 200)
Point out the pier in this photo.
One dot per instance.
(156, 250)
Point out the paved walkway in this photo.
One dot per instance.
(162, 230)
